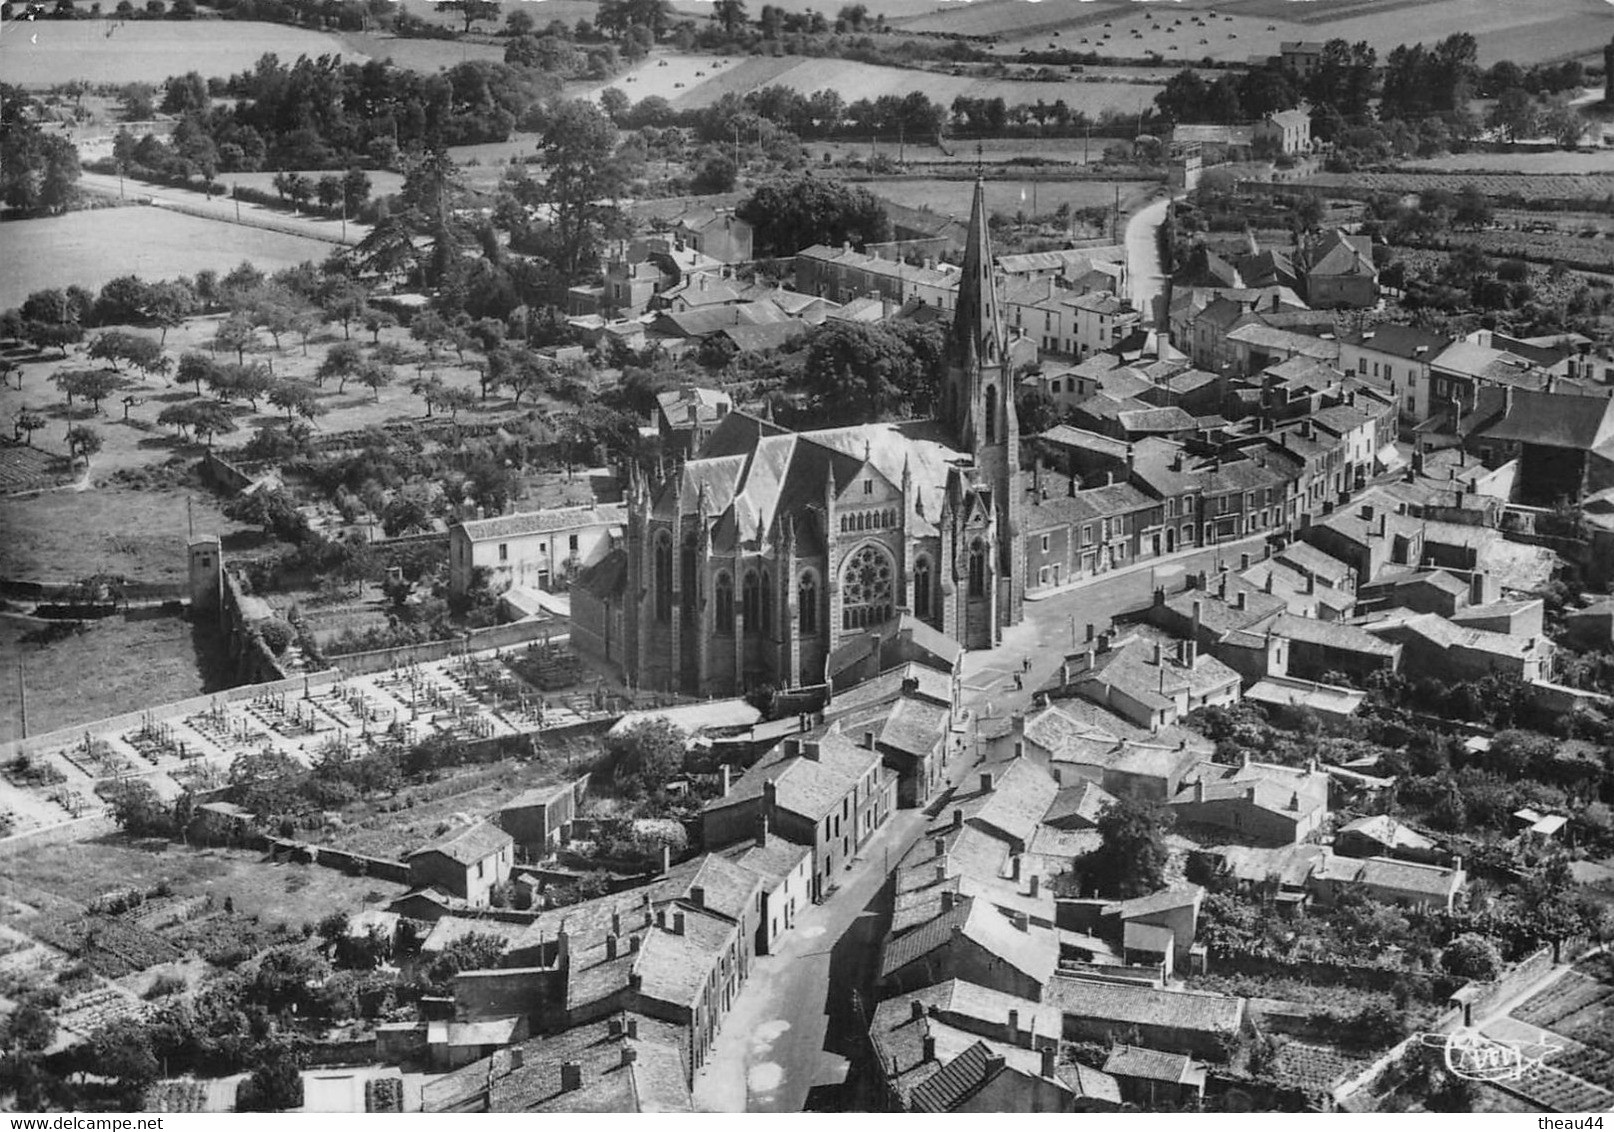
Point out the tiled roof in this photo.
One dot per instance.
(773, 861)
(472, 844)
(1078, 806)
(674, 967)
(1308, 558)
(545, 522)
(1163, 901)
(1271, 337)
(1169, 419)
(1149, 1064)
(1332, 634)
(1388, 832)
(956, 1080)
(1386, 873)
(1019, 798)
(1133, 1004)
(1069, 436)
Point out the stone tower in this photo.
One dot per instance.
(978, 408)
(207, 576)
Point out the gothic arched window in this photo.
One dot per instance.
(991, 414)
(688, 581)
(723, 590)
(921, 589)
(866, 588)
(663, 579)
(977, 569)
(807, 600)
(751, 602)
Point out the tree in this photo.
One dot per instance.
(429, 329)
(296, 399)
(205, 418)
(471, 10)
(29, 1028)
(167, 304)
(1132, 859)
(343, 362)
(730, 15)
(82, 440)
(788, 216)
(121, 1049)
(116, 346)
(473, 951)
(643, 757)
(1472, 956)
(1473, 207)
(276, 1083)
(344, 301)
(94, 385)
(583, 180)
(139, 812)
(236, 333)
(871, 371)
(1515, 114)
(375, 376)
(27, 422)
(195, 369)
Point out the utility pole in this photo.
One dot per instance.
(902, 143)
(22, 693)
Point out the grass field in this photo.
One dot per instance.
(116, 665)
(66, 535)
(1524, 32)
(952, 198)
(993, 151)
(425, 55)
(90, 248)
(1527, 186)
(694, 81)
(289, 894)
(48, 52)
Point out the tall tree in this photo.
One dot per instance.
(583, 183)
(1132, 858)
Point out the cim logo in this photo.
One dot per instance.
(1478, 1058)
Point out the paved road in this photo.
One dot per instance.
(1143, 256)
(223, 208)
(785, 1044)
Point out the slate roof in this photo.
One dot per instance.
(1169, 419)
(1079, 806)
(545, 522)
(1033, 952)
(469, 845)
(1555, 420)
(1165, 900)
(1309, 559)
(1386, 873)
(1273, 338)
(1408, 342)
(605, 578)
(1020, 796)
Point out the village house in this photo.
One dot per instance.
(1195, 1023)
(535, 549)
(1148, 684)
(1264, 802)
(1431, 887)
(468, 863)
(686, 416)
(540, 818)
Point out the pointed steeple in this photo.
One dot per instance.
(977, 329)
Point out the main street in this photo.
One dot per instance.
(796, 1020)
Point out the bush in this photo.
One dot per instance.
(277, 635)
(1472, 956)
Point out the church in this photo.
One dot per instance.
(753, 562)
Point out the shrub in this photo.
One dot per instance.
(277, 635)
(1472, 956)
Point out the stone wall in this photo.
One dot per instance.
(477, 640)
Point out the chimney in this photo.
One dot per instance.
(1199, 789)
(666, 860)
(1014, 867)
(633, 1028)
(929, 1048)
(1014, 1026)
(697, 895)
(1034, 884)
(610, 945)
(1241, 600)
(868, 740)
(629, 1056)
(1197, 610)
(762, 831)
(949, 898)
(678, 923)
(1049, 1056)
(941, 872)
(633, 945)
(613, 1027)
(661, 918)
(916, 1009)
(812, 749)
(987, 784)
(793, 746)
(1457, 864)
(1022, 922)
(727, 782)
(571, 1076)
(958, 819)
(994, 1065)
(616, 922)
(1159, 653)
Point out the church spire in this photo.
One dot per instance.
(977, 329)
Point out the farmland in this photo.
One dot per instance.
(1499, 186)
(1525, 33)
(90, 248)
(694, 81)
(952, 197)
(286, 894)
(53, 51)
(87, 676)
(1568, 162)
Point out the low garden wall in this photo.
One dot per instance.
(477, 640)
